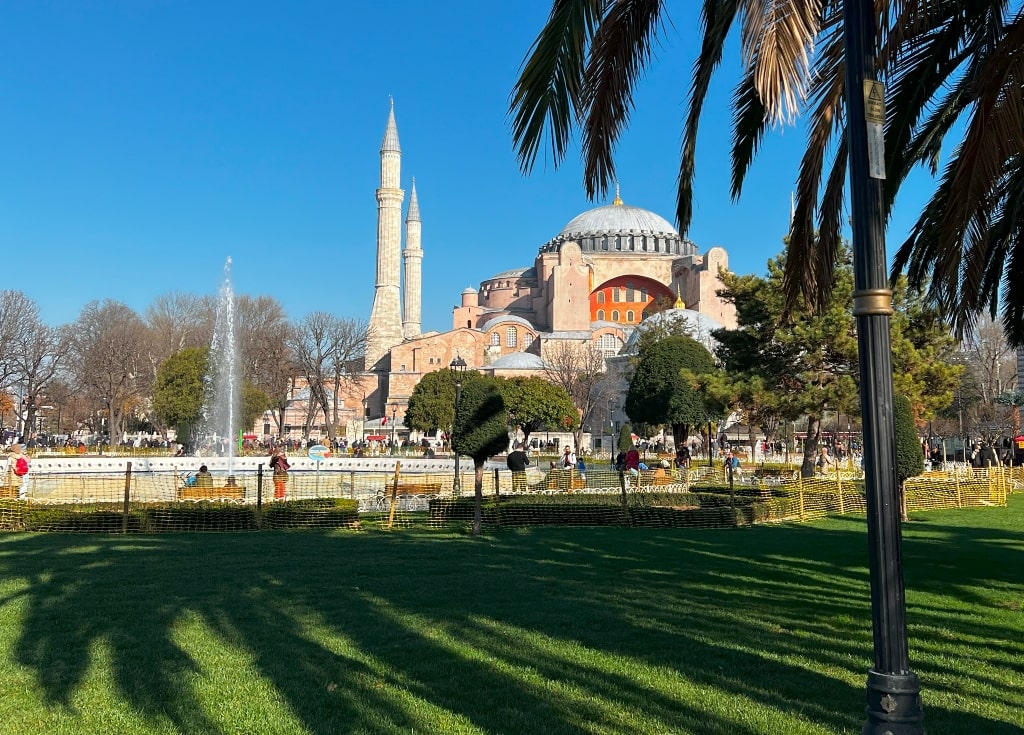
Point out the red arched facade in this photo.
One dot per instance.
(626, 299)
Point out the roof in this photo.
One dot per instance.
(618, 218)
(519, 361)
(505, 319)
(530, 272)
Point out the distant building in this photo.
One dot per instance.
(594, 282)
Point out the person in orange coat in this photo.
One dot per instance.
(279, 463)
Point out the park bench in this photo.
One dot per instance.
(558, 479)
(194, 492)
(414, 488)
(773, 475)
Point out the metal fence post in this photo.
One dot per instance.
(127, 496)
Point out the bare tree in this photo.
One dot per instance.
(324, 346)
(19, 315)
(262, 334)
(177, 320)
(990, 372)
(109, 346)
(40, 352)
(579, 368)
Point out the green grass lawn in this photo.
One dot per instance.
(548, 630)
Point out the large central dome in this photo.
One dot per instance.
(618, 218)
(618, 228)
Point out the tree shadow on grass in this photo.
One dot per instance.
(382, 634)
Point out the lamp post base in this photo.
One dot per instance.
(894, 705)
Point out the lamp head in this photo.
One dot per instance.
(457, 367)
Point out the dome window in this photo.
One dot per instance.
(615, 315)
(600, 297)
(600, 315)
(511, 337)
(629, 316)
(495, 339)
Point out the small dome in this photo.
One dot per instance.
(506, 319)
(469, 289)
(696, 325)
(519, 361)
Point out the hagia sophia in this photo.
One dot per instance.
(593, 282)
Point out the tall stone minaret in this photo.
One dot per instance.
(413, 268)
(385, 328)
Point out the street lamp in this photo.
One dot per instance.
(893, 690)
(457, 369)
(394, 412)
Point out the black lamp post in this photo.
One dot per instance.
(710, 440)
(893, 690)
(458, 369)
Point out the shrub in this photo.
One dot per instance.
(312, 513)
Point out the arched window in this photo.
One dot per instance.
(616, 292)
(615, 315)
(629, 316)
(600, 315)
(511, 337)
(527, 340)
(495, 339)
(630, 294)
(600, 297)
(609, 343)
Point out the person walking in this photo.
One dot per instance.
(517, 461)
(279, 463)
(17, 468)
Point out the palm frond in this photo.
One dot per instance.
(777, 36)
(620, 52)
(826, 121)
(550, 85)
(717, 17)
(1009, 228)
(749, 123)
(830, 224)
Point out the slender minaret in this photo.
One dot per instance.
(413, 268)
(385, 328)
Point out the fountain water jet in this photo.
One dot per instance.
(221, 408)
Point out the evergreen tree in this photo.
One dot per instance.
(534, 404)
(179, 391)
(662, 390)
(480, 430)
(909, 455)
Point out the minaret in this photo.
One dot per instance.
(385, 328)
(413, 256)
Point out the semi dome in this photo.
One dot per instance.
(697, 325)
(519, 361)
(621, 229)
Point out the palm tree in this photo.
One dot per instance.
(955, 66)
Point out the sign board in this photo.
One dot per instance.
(318, 452)
(874, 118)
(874, 101)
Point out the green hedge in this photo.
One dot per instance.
(312, 513)
(661, 510)
(19, 515)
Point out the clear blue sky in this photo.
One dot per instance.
(144, 141)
